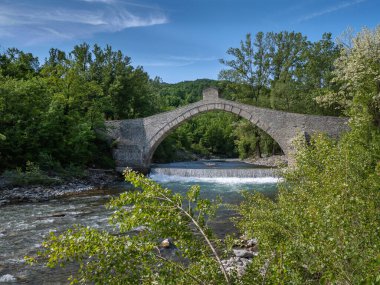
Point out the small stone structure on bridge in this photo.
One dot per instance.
(136, 140)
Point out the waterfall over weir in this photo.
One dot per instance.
(215, 172)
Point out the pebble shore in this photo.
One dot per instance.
(96, 179)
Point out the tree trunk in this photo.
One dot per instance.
(258, 149)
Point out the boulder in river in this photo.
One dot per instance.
(166, 243)
(244, 253)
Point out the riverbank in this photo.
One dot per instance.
(94, 180)
(270, 161)
(97, 179)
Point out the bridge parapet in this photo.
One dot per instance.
(210, 93)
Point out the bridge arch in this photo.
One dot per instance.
(188, 114)
(136, 140)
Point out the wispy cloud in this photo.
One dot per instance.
(177, 61)
(164, 63)
(129, 3)
(48, 23)
(193, 58)
(330, 9)
(100, 1)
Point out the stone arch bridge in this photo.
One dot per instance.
(136, 140)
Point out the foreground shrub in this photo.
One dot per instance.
(32, 175)
(125, 256)
(325, 226)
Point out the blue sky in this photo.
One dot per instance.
(175, 39)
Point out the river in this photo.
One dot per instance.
(24, 226)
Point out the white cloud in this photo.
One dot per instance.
(47, 23)
(329, 10)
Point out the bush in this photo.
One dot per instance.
(325, 226)
(31, 176)
(122, 257)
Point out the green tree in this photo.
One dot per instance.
(24, 105)
(249, 67)
(324, 226)
(17, 64)
(286, 50)
(209, 134)
(316, 75)
(251, 141)
(357, 74)
(55, 111)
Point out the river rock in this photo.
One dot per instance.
(236, 264)
(251, 242)
(166, 243)
(244, 253)
(4, 202)
(58, 215)
(140, 229)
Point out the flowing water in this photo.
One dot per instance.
(24, 226)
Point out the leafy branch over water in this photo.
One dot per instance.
(126, 257)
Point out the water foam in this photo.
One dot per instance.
(220, 180)
(216, 172)
(7, 278)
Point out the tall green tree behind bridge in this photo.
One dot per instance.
(282, 71)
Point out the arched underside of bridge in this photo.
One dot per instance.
(136, 140)
(207, 107)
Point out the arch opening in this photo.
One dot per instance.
(212, 131)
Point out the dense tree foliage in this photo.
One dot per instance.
(282, 70)
(357, 74)
(208, 135)
(183, 93)
(49, 113)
